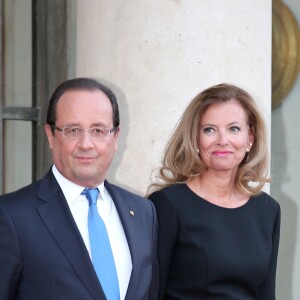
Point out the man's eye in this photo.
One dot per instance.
(99, 130)
(74, 130)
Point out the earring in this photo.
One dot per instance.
(198, 151)
(249, 147)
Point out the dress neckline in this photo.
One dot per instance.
(219, 206)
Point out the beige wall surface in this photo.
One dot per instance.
(285, 171)
(157, 55)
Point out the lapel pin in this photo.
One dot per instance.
(131, 212)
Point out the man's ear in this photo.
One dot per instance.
(49, 134)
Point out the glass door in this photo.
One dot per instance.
(30, 69)
(16, 95)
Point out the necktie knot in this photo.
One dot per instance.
(91, 195)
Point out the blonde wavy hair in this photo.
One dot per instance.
(181, 160)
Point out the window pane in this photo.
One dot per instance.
(17, 92)
(17, 153)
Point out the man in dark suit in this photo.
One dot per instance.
(45, 241)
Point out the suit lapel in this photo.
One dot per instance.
(59, 220)
(130, 222)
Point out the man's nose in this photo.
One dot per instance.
(86, 139)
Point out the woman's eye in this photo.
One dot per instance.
(234, 129)
(209, 130)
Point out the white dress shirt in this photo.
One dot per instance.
(79, 207)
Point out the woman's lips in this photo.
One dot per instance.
(222, 152)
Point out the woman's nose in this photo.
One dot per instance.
(223, 138)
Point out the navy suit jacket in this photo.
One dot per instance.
(43, 256)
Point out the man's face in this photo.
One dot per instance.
(85, 160)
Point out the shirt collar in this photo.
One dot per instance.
(71, 190)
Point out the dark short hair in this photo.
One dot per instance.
(83, 83)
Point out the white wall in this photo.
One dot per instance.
(286, 181)
(157, 55)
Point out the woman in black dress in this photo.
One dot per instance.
(219, 232)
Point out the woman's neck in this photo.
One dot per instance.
(218, 188)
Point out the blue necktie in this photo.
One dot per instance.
(102, 256)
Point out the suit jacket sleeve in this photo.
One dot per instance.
(10, 262)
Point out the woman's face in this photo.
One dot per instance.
(224, 136)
